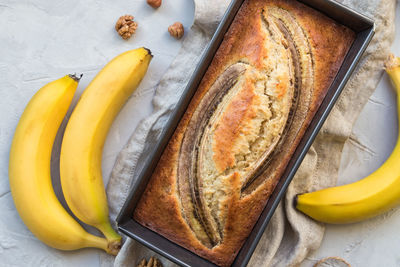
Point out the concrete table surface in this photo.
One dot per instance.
(41, 40)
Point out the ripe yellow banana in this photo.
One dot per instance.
(373, 195)
(29, 170)
(86, 131)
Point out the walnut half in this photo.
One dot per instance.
(176, 30)
(125, 26)
(154, 3)
(153, 262)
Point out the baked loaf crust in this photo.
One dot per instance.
(254, 103)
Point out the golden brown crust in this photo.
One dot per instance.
(160, 207)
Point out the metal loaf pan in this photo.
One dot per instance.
(364, 28)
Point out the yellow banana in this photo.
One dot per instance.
(373, 195)
(29, 170)
(86, 131)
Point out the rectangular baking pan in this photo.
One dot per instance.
(364, 28)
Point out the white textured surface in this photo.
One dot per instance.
(42, 40)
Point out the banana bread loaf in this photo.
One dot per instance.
(254, 103)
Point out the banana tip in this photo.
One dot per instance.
(114, 247)
(149, 51)
(75, 77)
(295, 200)
(391, 62)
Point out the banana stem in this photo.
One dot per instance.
(113, 238)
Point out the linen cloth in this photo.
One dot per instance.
(290, 236)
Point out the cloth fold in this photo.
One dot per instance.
(290, 236)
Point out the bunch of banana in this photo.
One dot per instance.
(373, 195)
(29, 170)
(30, 155)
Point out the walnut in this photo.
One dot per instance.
(125, 26)
(154, 3)
(176, 30)
(153, 262)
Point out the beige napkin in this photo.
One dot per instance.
(290, 236)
